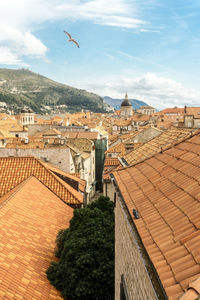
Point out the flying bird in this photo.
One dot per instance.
(71, 39)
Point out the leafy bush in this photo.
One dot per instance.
(85, 269)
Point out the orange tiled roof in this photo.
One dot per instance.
(2, 135)
(111, 161)
(71, 135)
(174, 110)
(4, 117)
(110, 164)
(81, 135)
(14, 170)
(165, 124)
(78, 115)
(122, 122)
(113, 137)
(16, 127)
(14, 142)
(88, 135)
(52, 131)
(159, 143)
(165, 189)
(129, 135)
(119, 148)
(193, 291)
(140, 117)
(30, 220)
(195, 111)
(41, 121)
(74, 177)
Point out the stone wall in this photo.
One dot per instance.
(60, 158)
(108, 190)
(129, 261)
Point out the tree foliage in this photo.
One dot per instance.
(85, 269)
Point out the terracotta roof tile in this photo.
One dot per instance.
(14, 170)
(111, 161)
(75, 177)
(30, 219)
(165, 189)
(189, 295)
(159, 143)
(120, 149)
(174, 110)
(195, 285)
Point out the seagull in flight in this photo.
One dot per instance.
(71, 39)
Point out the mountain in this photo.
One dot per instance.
(19, 88)
(116, 103)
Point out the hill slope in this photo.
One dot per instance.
(116, 103)
(23, 87)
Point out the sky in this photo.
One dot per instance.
(149, 49)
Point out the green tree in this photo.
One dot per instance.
(85, 269)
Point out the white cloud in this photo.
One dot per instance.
(157, 91)
(19, 20)
(149, 30)
(104, 12)
(33, 46)
(24, 13)
(9, 58)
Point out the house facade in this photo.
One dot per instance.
(146, 110)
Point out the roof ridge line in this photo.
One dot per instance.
(162, 151)
(69, 188)
(13, 191)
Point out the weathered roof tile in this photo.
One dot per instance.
(14, 170)
(30, 218)
(165, 189)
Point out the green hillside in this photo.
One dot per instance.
(23, 87)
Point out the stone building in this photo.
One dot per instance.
(126, 109)
(26, 116)
(146, 110)
(77, 157)
(192, 117)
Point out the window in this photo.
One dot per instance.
(123, 289)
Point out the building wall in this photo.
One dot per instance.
(60, 158)
(108, 190)
(147, 111)
(89, 175)
(128, 260)
(197, 123)
(26, 118)
(189, 121)
(21, 134)
(126, 111)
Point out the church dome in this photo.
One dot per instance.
(126, 102)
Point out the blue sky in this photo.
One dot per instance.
(149, 49)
